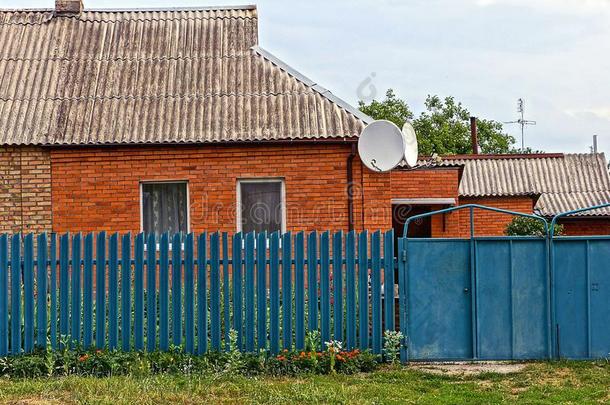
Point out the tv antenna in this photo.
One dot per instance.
(522, 122)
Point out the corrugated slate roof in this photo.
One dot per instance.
(154, 76)
(563, 182)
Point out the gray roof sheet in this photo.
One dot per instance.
(155, 76)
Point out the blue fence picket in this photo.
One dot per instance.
(237, 289)
(249, 259)
(100, 291)
(64, 286)
(41, 290)
(4, 297)
(363, 290)
(287, 290)
(312, 281)
(402, 292)
(16, 294)
(215, 331)
(164, 292)
(299, 291)
(88, 292)
(113, 289)
(177, 290)
(261, 290)
(189, 298)
(388, 280)
(28, 292)
(325, 288)
(226, 289)
(202, 298)
(126, 292)
(338, 285)
(376, 290)
(274, 292)
(53, 290)
(350, 289)
(151, 292)
(138, 294)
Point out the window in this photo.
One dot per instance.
(261, 205)
(165, 207)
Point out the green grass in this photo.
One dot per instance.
(563, 382)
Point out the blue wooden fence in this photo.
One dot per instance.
(147, 292)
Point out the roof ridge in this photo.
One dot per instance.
(135, 9)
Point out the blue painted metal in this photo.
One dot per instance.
(363, 290)
(215, 291)
(151, 292)
(75, 310)
(312, 281)
(274, 293)
(16, 294)
(324, 288)
(138, 321)
(4, 331)
(126, 292)
(376, 292)
(177, 290)
(42, 290)
(350, 289)
(287, 290)
(113, 291)
(202, 298)
(238, 294)
(64, 289)
(299, 290)
(249, 283)
(28, 292)
(164, 292)
(189, 294)
(338, 285)
(226, 289)
(100, 291)
(88, 292)
(402, 293)
(388, 280)
(261, 290)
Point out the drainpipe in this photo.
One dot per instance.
(350, 187)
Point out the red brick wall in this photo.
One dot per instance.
(489, 223)
(586, 226)
(25, 189)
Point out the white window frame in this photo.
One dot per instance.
(188, 200)
(247, 180)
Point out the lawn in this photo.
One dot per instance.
(562, 382)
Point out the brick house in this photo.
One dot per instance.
(176, 120)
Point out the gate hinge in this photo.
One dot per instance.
(403, 255)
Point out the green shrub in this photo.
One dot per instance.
(525, 226)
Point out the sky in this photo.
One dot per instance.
(555, 54)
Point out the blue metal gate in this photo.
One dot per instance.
(496, 298)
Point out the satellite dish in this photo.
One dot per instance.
(381, 146)
(411, 153)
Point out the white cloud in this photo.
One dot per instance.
(560, 6)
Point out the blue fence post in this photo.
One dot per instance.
(226, 289)
(249, 292)
(287, 290)
(64, 287)
(388, 280)
(138, 322)
(312, 280)
(100, 291)
(299, 291)
(402, 293)
(189, 299)
(215, 331)
(350, 284)
(28, 291)
(126, 292)
(164, 292)
(376, 290)
(202, 298)
(4, 296)
(274, 291)
(88, 292)
(151, 292)
(113, 288)
(16, 294)
(363, 289)
(177, 290)
(325, 288)
(261, 290)
(338, 285)
(75, 311)
(53, 290)
(237, 289)
(41, 288)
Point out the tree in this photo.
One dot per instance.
(444, 127)
(525, 226)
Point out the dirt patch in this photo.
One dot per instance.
(460, 368)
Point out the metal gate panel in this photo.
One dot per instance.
(512, 298)
(439, 325)
(582, 296)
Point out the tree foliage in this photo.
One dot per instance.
(444, 127)
(524, 226)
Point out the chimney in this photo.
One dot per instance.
(474, 139)
(68, 7)
(594, 143)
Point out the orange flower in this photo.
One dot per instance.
(281, 358)
(340, 358)
(84, 357)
